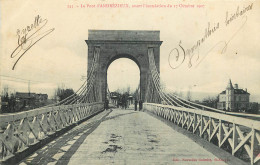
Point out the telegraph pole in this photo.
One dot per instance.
(29, 90)
(29, 93)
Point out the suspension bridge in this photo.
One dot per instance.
(168, 129)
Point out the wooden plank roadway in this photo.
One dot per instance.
(123, 137)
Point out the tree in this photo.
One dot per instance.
(12, 103)
(128, 89)
(66, 93)
(5, 99)
(211, 101)
(61, 93)
(8, 101)
(189, 95)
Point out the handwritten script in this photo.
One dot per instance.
(29, 36)
(179, 55)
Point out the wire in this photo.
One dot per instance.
(21, 79)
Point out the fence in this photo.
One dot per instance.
(21, 130)
(233, 133)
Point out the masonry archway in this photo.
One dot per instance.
(123, 72)
(115, 44)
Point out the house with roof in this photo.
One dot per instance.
(30, 100)
(233, 98)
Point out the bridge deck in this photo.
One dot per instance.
(122, 137)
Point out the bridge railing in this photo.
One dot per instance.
(203, 107)
(240, 136)
(19, 131)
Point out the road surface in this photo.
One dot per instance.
(122, 137)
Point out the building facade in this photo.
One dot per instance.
(233, 98)
(30, 100)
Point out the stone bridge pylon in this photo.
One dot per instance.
(114, 44)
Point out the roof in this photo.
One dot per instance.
(237, 91)
(44, 95)
(124, 35)
(24, 95)
(229, 86)
(223, 92)
(29, 95)
(240, 91)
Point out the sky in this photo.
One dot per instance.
(61, 57)
(127, 76)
